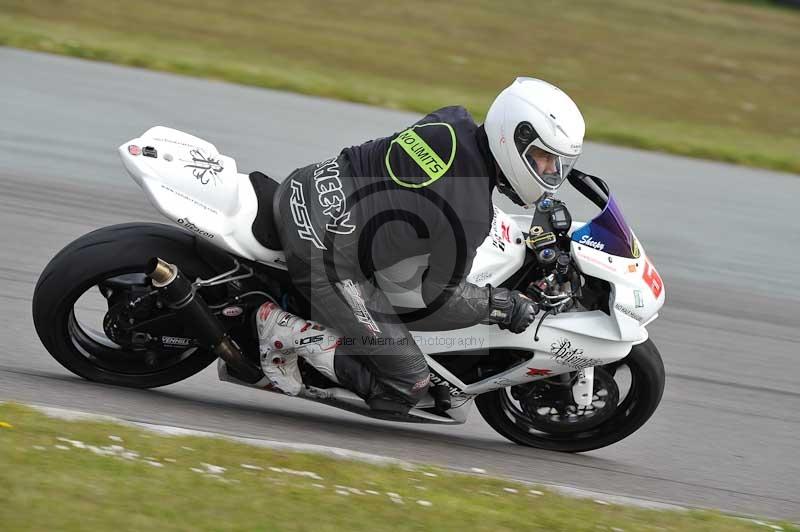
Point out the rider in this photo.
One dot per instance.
(425, 190)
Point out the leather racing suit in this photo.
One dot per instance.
(424, 190)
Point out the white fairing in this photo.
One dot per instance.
(636, 296)
(637, 290)
(566, 342)
(196, 187)
(501, 254)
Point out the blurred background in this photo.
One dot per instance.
(712, 79)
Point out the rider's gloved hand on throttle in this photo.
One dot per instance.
(511, 310)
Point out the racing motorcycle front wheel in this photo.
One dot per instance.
(544, 415)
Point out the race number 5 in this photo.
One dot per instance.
(653, 280)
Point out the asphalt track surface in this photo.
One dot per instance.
(725, 240)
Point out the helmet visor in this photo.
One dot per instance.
(550, 169)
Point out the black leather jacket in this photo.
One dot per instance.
(427, 189)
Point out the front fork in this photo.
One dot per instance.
(583, 389)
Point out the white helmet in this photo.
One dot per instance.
(535, 132)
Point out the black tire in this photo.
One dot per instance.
(99, 255)
(647, 387)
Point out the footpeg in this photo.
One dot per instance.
(441, 397)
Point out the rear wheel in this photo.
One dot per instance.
(95, 288)
(543, 415)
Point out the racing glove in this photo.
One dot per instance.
(511, 310)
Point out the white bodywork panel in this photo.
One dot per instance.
(567, 342)
(637, 291)
(196, 187)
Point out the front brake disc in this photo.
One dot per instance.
(550, 407)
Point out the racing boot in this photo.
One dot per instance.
(282, 337)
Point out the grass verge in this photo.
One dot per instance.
(709, 78)
(80, 475)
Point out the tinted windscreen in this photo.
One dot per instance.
(609, 232)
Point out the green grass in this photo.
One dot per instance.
(50, 479)
(47, 487)
(710, 79)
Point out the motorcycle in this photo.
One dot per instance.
(146, 305)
